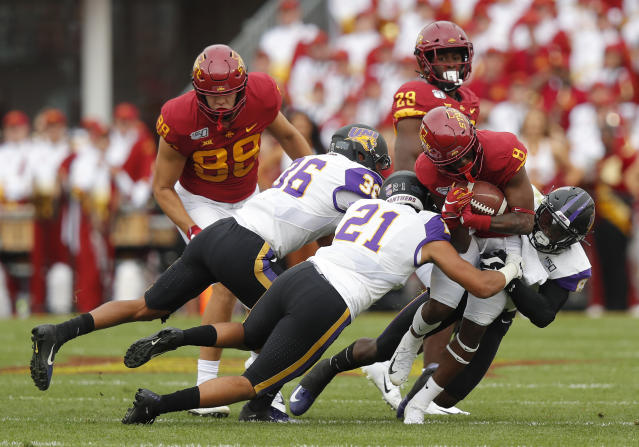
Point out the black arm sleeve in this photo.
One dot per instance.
(540, 307)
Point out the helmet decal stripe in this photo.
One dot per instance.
(570, 203)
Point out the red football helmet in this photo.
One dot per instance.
(450, 141)
(219, 70)
(438, 36)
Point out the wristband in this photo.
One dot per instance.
(480, 222)
(193, 231)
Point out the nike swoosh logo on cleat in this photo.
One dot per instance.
(386, 389)
(50, 359)
(153, 342)
(390, 367)
(294, 397)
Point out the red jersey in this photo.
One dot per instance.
(415, 98)
(504, 155)
(221, 165)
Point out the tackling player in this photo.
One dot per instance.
(305, 203)
(562, 220)
(455, 151)
(378, 244)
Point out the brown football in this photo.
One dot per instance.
(487, 198)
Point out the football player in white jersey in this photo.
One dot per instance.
(567, 268)
(306, 202)
(378, 244)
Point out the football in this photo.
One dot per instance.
(487, 198)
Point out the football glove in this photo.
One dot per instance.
(457, 198)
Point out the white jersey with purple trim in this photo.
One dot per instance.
(570, 268)
(377, 246)
(307, 201)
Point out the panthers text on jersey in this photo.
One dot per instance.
(307, 201)
(377, 246)
(415, 98)
(504, 155)
(221, 165)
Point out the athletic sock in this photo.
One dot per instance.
(343, 360)
(180, 400)
(200, 336)
(421, 380)
(207, 370)
(74, 327)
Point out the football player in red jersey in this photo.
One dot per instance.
(455, 151)
(445, 56)
(207, 159)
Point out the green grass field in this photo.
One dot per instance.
(575, 383)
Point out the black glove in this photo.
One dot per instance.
(493, 260)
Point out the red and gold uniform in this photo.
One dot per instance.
(504, 155)
(415, 98)
(221, 165)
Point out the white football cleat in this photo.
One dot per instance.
(278, 402)
(378, 374)
(402, 361)
(216, 412)
(414, 412)
(433, 408)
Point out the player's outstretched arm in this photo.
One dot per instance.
(292, 141)
(482, 284)
(169, 164)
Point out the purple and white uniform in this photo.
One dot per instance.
(307, 201)
(570, 268)
(377, 246)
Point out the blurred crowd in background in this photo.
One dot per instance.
(562, 75)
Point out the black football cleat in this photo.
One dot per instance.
(45, 346)
(146, 348)
(268, 415)
(145, 408)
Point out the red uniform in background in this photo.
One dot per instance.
(222, 163)
(415, 98)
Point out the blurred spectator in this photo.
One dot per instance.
(586, 145)
(508, 115)
(410, 23)
(93, 208)
(131, 155)
(279, 42)
(614, 288)
(345, 12)
(15, 182)
(361, 41)
(14, 185)
(489, 81)
(51, 280)
(548, 163)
